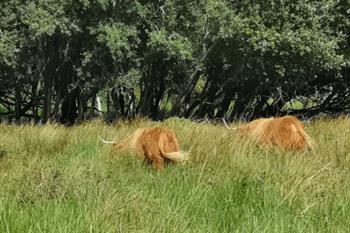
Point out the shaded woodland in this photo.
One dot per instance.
(61, 60)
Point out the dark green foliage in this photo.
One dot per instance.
(199, 59)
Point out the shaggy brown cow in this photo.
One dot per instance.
(285, 132)
(155, 145)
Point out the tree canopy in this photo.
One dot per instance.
(156, 59)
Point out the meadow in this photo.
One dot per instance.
(63, 179)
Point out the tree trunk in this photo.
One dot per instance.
(108, 103)
(49, 74)
(93, 106)
(238, 110)
(18, 104)
(98, 105)
(193, 80)
(157, 99)
(69, 108)
(226, 102)
(81, 107)
(47, 99)
(58, 101)
(35, 100)
(178, 108)
(146, 98)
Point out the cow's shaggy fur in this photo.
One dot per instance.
(285, 132)
(156, 145)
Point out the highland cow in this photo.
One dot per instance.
(156, 145)
(284, 132)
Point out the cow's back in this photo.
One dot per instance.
(132, 142)
(257, 128)
(286, 132)
(155, 138)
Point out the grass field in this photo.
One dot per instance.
(58, 179)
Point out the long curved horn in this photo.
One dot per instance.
(235, 128)
(104, 141)
(223, 119)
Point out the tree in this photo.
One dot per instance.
(196, 59)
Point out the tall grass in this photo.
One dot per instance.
(58, 179)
